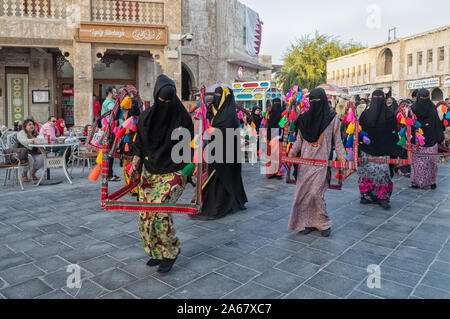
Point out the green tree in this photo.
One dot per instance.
(305, 61)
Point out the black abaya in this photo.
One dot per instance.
(224, 189)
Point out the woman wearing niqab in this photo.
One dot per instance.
(274, 142)
(223, 190)
(424, 170)
(161, 178)
(379, 122)
(317, 129)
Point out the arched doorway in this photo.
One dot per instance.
(186, 83)
(384, 63)
(437, 95)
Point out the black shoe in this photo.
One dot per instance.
(243, 208)
(326, 233)
(414, 186)
(154, 262)
(433, 187)
(308, 230)
(384, 203)
(166, 265)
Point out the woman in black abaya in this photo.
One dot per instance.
(223, 190)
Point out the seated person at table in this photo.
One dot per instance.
(49, 128)
(61, 129)
(31, 154)
(36, 125)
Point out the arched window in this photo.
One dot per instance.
(384, 63)
(437, 95)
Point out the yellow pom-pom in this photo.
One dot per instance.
(193, 142)
(351, 128)
(403, 122)
(99, 158)
(126, 103)
(421, 131)
(134, 138)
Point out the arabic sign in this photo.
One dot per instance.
(427, 83)
(121, 33)
(360, 90)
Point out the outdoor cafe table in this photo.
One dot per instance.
(54, 161)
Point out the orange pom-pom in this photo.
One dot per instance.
(337, 175)
(127, 147)
(95, 173)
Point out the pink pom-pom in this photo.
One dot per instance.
(292, 116)
(409, 122)
(240, 116)
(129, 167)
(263, 122)
(116, 129)
(128, 124)
(199, 114)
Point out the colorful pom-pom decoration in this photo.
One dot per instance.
(351, 128)
(366, 140)
(127, 147)
(188, 170)
(350, 142)
(402, 132)
(402, 141)
(350, 155)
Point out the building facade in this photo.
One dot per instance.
(218, 51)
(55, 55)
(400, 67)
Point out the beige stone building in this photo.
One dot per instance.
(401, 66)
(56, 54)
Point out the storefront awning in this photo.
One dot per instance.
(250, 65)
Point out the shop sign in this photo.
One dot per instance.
(121, 33)
(360, 90)
(68, 91)
(447, 82)
(427, 83)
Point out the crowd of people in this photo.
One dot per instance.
(318, 136)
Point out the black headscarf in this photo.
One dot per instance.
(153, 141)
(275, 113)
(224, 113)
(427, 115)
(313, 122)
(257, 118)
(379, 122)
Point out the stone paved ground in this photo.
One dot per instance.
(247, 255)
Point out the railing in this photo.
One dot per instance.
(137, 11)
(51, 9)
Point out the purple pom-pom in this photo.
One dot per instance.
(283, 169)
(366, 140)
(350, 155)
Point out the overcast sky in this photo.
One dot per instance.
(286, 20)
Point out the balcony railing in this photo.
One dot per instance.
(125, 11)
(51, 9)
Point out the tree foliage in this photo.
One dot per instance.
(305, 61)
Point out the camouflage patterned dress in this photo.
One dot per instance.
(157, 229)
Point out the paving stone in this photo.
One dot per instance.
(298, 267)
(315, 256)
(437, 280)
(52, 228)
(88, 290)
(414, 254)
(20, 274)
(101, 264)
(14, 260)
(138, 268)
(305, 292)
(26, 290)
(86, 253)
(237, 272)
(202, 264)
(257, 263)
(225, 253)
(279, 280)
(361, 295)
(381, 242)
(405, 264)
(191, 249)
(211, 286)
(336, 285)
(23, 245)
(427, 292)
(118, 294)
(51, 264)
(253, 291)
(360, 258)
(346, 270)
(440, 266)
(177, 277)
(56, 294)
(288, 245)
(274, 253)
(59, 278)
(114, 279)
(372, 249)
(445, 255)
(400, 276)
(48, 251)
(389, 290)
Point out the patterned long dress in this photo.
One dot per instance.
(424, 170)
(309, 207)
(157, 229)
(374, 179)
